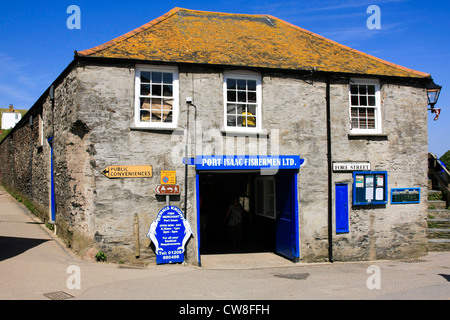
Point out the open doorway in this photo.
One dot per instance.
(269, 219)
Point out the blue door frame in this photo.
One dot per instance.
(287, 224)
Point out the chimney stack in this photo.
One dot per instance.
(11, 108)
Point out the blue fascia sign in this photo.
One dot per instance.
(169, 233)
(272, 162)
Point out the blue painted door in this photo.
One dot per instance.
(286, 232)
(342, 224)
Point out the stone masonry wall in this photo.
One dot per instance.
(394, 230)
(24, 163)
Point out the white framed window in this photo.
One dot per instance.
(265, 196)
(242, 102)
(156, 97)
(365, 113)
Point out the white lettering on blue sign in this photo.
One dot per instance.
(248, 162)
(169, 233)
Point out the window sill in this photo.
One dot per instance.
(368, 136)
(150, 129)
(254, 132)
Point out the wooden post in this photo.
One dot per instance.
(137, 249)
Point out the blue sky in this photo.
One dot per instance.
(36, 45)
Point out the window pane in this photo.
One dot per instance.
(167, 110)
(145, 89)
(251, 85)
(156, 77)
(354, 112)
(231, 121)
(371, 90)
(252, 97)
(371, 101)
(251, 109)
(145, 103)
(231, 83)
(362, 124)
(145, 116)
(354, 89)
(242, 84)
(145, 76)
(362, 90)
(363, 101)
(240, 122)
(231, 96)
(156, 104)
(168, 78)
(156, 90)
(231, 109)
(242, 96)
(240, 109)
(169, 118)
(249, 120)
(355, 101)
(168, 90)
(362, 112)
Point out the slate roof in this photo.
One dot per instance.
(241, 40)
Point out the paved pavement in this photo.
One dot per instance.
(34, 264)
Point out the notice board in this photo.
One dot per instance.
(405, 195)
(370, 187)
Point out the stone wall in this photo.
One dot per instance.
(393, 230)
(24, 162)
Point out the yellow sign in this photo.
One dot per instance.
(128, 172)
(168, 177)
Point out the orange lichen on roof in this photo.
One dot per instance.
(260, 41)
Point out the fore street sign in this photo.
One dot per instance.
(351, 166)
(167, 189)
(128, 172)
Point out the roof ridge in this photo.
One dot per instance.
(130, 33)
(422, 74)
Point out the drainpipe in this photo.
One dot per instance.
(186, 160)
(330, 177)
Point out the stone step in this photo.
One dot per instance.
(435, 193)
(438, 244)
(439, 223)
(437, 204)
(439, 213)
(435, 233)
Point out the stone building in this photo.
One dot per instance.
(313, 138)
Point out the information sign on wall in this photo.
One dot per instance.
(169, 233)
(369, 187)
(128, 172)
(168, 177)
(351, 166)
(405, 195)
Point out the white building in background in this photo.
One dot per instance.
(10, 118)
